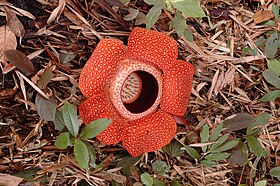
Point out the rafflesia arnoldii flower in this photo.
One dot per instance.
(140, 87)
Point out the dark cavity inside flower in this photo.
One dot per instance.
(140, 93)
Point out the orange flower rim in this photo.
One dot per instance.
(140, 87)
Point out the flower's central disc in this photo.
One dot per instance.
(131, 88)
(136, 89)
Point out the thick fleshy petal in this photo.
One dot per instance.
(154, 47)
(149, 133)
(101, 67)
(97, 107)
(177, 85)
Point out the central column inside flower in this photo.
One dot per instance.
(136, 89)
(131, 88)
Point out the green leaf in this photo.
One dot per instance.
(146, 179)
(271, 45)
(260, 41)
(63, 140)
(70, 119)
(216, 132)
(154, 14)
(271, 96)
(274, 65)
(255, 146)
(240, 121)
(114, 183)
(160, 167)
(58, 120)
(190, 8)
(275, 10)
(272, 78)
(175, 183)
(95, 128)
(261, 120)
(226, 146)
(220, 141)
(275, 172)
(204, 136)
(261, 183)
(81, 153)
(179, 23)
(92, 153)
(217, 156)
(173, 149)
(188, 35)
(153, 2)
(157, 182)
(192, 152)
(46, 108)
(126, 162)
(208, 163)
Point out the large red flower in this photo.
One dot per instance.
(140, 87)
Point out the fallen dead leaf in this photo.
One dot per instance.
(14, 23)
(262, 15)
(57, 11)
(8, 41)
(132, 14)
(9, 180)
(20, 60)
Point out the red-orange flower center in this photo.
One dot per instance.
(136, 89)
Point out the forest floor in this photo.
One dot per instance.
(234, 50)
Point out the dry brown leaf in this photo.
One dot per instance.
(140, 19)
(21, 76)
(86, 22)
(46, 77)
(9, 180)
(20, 11)
(73, 18)
(224, 80)
(8, 40)
(262, 15)
(132, 14)
(35, 54)
(56, 13)
(118, 178)
(20, 60)
(213, 84)
(116, 3)
(14, 23)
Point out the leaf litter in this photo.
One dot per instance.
(59, 36)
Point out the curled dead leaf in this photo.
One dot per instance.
(20, 60)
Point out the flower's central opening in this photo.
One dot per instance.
(136, 89)
(139, 91)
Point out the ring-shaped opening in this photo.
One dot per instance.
(136, 89)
